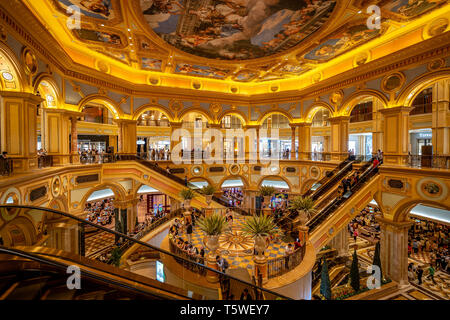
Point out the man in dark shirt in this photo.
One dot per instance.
(246, 295)
(189, 231)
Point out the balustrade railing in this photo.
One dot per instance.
(45, 161)
(429, 161)
(279, 266)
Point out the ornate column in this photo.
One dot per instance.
(394, 249)
(75, 157)
(293, 127)
(19, 128)
(377, 126)
(127, 133)
(339, 138)
(440, 122)
(304, 140)
(128, 212)
(396, 135)
(340, 242)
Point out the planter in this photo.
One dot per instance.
(267, 200)
(260, 244)
(302, 217)
(212, 243)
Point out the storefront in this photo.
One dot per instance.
(269, 147)
(93, 142)
(419, 138)
(360, 143)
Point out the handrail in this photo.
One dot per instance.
(134, 241)
(40, 257)
(281, 265)
(313, 223)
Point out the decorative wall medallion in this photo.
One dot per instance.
(393, 82)
(234, 169)
(436, 64)
(337, 97)
(314, 172)
(234, 89)
(274, 88)
(56, 186)
(360, 59)
(274, 170)
(215, 107)
(317, 77)
(29, 61)
(304, 171)
(175, 105)
(197, 171)
(102, 66)
(432, 189)
(196, 85)
(245, 168)
(437, 27)
(154, 80)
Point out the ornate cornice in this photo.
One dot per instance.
(427, 50)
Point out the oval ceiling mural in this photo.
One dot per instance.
(235, 29)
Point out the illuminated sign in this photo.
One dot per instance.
(160, 271)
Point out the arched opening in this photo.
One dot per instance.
(360, 139)
(279, 199)
(232, 189)
(281, 145)
(47, 91)
(97, 115)
(231, 121)
(320, 138)
(421, 136)
(151, 145)
(194, 120)
(199, 182)
(152, 204)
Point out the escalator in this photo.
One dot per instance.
(320, 192)
(336, 214)
(219, 201)
(30, 275)
(60, 241)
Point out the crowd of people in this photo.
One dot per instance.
(430, 239)
(365, 224)
(158, 154)
(235, 196)
(100, 212)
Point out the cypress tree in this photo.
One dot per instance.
(354, 272)
(325, 283)
(377, 259)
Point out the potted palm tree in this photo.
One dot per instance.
(259, 227)
(266, 192)
(187, 195)
(208, 191)
(212, 226)
(305, 208)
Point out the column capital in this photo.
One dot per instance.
(176, 125)
(339, 119)
(394, 110)
(125, 121)
(252, 126)
(124, 204)
(21, 95)
(393, 224)
(215, 125)
(298, 124)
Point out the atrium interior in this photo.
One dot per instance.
(225, 149)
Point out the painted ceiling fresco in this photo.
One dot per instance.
(97, 9)
(235, 29)
(291, 37)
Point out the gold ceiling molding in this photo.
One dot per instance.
(63, 62)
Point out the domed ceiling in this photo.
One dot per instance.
(239, 41)
(235, 29)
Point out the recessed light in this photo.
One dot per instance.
(359, 11)
(102, 25)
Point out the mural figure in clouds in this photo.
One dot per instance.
(235, 29)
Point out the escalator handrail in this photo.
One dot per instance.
(179, 180)
(38, 257)
(370, 172)
(328, 177)
(336, 177)
(138, 242)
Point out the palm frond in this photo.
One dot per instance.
(266, 191)
(213, 225)
(305, 204)
(187, 194)
(259, 226)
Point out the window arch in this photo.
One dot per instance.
(423, 103)
(276, 121)
(362, 111)
(321, 118)
(231, 121)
